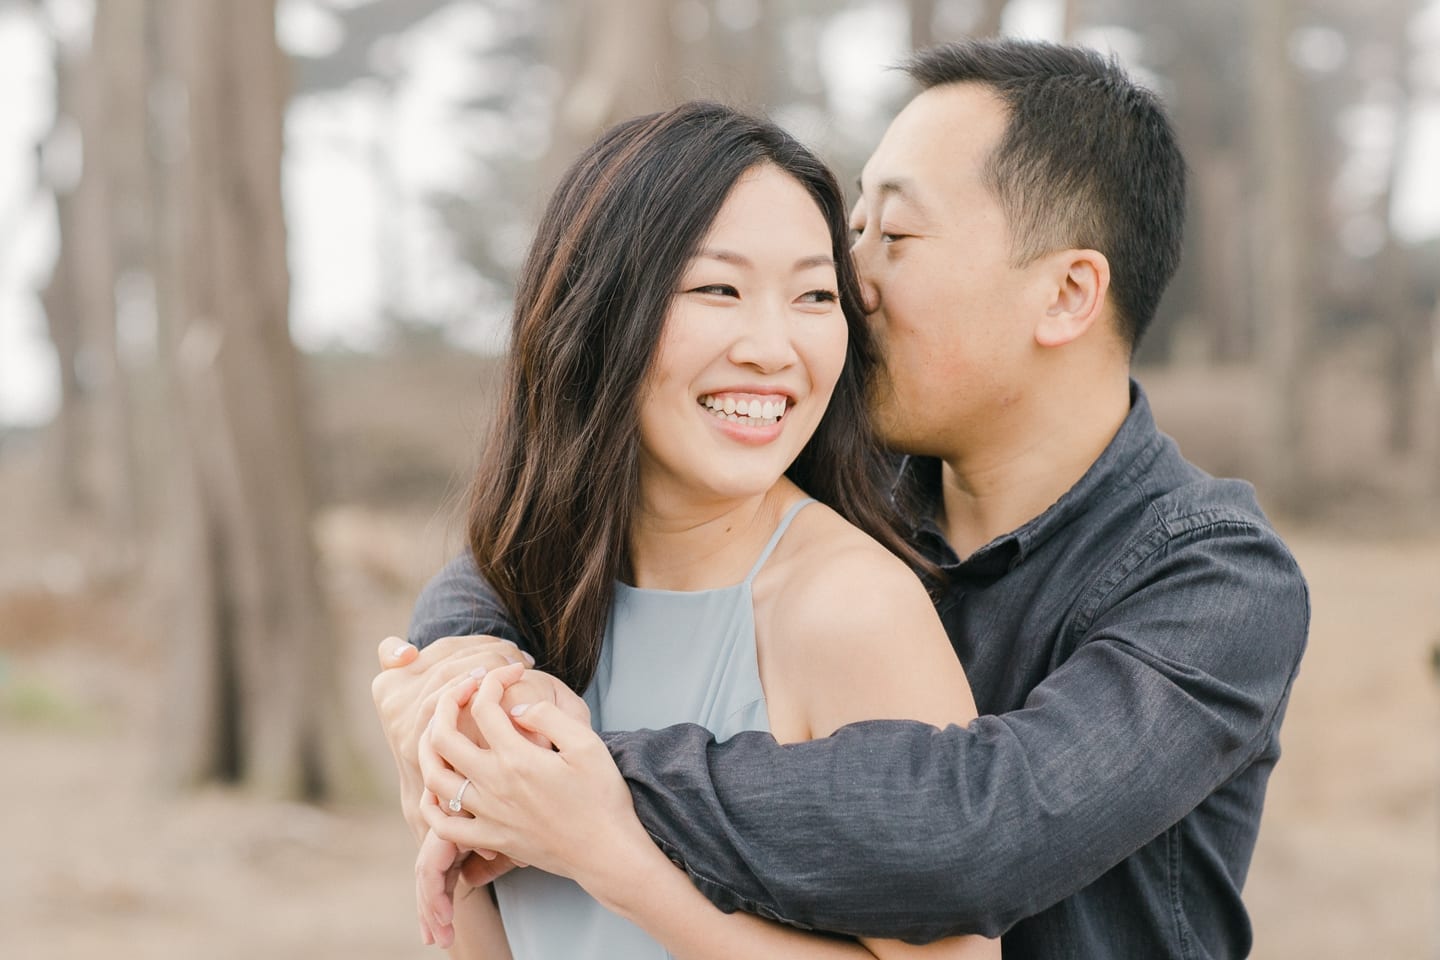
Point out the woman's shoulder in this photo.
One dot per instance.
(826, 570)
(846, 631)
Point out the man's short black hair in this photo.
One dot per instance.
(1088, 160)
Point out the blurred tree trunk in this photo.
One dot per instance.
(617, 59)
(253, 696)
(992, 15)
(1069, 20)
(922, 23)
(1280, 247)
(93, 423)
(1409, 354)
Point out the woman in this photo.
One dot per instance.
(688, 370)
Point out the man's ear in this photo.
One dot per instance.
(1076, 284)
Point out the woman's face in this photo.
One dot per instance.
(753, 344)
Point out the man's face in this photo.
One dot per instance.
(933, 247)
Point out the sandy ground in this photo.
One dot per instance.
(95, 863)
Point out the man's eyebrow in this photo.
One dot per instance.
(903, 187)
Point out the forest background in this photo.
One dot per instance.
(255, 264)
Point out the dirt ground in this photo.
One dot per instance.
(95, 862)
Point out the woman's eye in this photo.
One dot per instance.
(717, 290)
(820, 296)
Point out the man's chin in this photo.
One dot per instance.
(889, 429)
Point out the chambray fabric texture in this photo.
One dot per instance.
(1131, 651)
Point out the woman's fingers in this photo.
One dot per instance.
(545, 718)
(493, 722)
(469, 833)
(446, 748)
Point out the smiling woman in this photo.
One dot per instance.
(688, 346)
(753, 344)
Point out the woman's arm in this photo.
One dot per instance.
(568, 811)
(479, 934)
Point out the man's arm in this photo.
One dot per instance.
(457, 602)
(895, 829)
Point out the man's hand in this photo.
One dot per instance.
(410, 682)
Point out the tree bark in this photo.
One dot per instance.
(922, 23)
(1404, 319)
(1279, 248)
(992, 16)
(254, 691)
(619, 59)
(94, 437)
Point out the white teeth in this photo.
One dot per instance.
(751, 412)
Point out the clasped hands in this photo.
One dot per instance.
(542, 786)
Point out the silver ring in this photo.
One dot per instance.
(455, 805)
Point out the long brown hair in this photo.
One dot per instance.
(552, 503)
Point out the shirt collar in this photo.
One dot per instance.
(917, 491)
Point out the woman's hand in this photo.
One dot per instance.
(565, 810)
(405, 691)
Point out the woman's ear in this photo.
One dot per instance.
(1077, 284)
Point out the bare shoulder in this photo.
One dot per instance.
(830, 573)
(847, 632)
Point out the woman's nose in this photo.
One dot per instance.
(764, 342)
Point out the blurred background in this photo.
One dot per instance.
(255, 268)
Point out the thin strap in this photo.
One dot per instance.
(775, 537)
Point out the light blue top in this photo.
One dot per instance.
(668, 657)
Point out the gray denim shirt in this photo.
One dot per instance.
(1131, 651)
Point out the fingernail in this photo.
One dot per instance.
(479, 673)
(508, 658)
(528, 659)
(400, 649)
(519, 709)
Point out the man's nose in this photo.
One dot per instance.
(869, 295)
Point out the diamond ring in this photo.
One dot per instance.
(455, 806)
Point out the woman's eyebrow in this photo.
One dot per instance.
(740, 260)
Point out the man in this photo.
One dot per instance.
(1130, 626)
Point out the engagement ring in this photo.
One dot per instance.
(455, 806)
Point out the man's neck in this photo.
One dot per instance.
(1018, 472)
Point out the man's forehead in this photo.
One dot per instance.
(938, 134)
